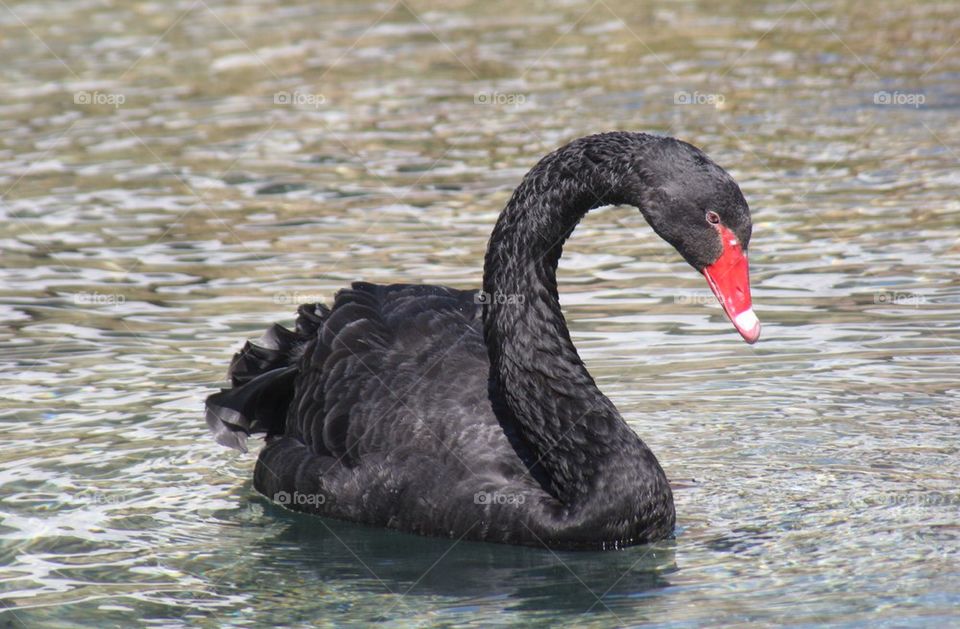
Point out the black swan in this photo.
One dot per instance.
(469, 414)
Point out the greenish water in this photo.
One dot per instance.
(176, 176)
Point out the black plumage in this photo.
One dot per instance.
(469, 414)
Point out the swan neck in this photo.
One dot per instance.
(557, 418)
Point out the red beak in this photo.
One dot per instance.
(729, 279)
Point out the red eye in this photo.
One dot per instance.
(713, 217)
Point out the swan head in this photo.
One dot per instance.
(697, 207)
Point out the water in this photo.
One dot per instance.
(176, 176)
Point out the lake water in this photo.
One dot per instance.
(176, 176)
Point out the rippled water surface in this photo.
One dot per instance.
(177, 175)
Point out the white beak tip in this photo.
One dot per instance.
(748, 325)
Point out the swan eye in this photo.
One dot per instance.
(713, 217)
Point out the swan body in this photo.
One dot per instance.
(469, 414)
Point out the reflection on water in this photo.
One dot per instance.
(397, 566)
(174, 177)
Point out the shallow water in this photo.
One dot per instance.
(176, 176)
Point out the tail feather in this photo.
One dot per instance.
(273, 350)
(262, 376)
